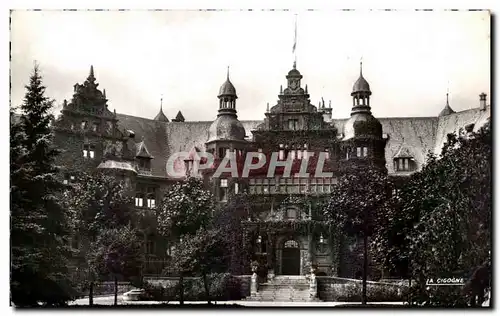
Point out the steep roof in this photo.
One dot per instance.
(415, 136)
(162, 139)
(453, 122)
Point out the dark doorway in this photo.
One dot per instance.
(290, 262)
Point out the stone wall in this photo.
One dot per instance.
(349, 290)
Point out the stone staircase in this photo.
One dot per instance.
(284, 289)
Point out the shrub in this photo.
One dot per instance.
(222, 287)
(351, 292)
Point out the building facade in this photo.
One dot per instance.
(283, 231)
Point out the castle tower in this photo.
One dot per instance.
(363, 143)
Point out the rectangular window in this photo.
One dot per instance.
(327, 153)
(359, 151)
(400, 164)
(252, 186)
(88, 151)
(320, 185)
(95, 126)
(151, 202)
(282, 185)
(221, 152)
(293, 124)
(236, 188)
(223, 194)
(138, 200)
(407, 164)
(223, 183)
(365, 151)
(83, 125)
(265, 186)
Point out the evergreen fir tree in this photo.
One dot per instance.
(39, 234)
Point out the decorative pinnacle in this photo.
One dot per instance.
(361, 67)
(227, 73)
(104, 93)
(447, 101)
(161, 102)
(306, 88)
(91, 77)
(281, 89)
(267, 109)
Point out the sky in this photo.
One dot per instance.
(411, 59)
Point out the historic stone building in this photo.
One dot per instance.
(283, 231)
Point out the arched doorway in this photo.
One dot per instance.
(290, 261)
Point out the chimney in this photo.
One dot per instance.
(482, 101)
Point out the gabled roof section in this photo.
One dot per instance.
(404, 152)
(179, 117)
(142, 151)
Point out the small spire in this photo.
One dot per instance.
(361, 67)
(281, 89)
(104, 93)
(227, 73)
(447, 99)
(306, 89)
(91, 77)
(294, 64)
(267, 109)
(329, 104)
(161, 103)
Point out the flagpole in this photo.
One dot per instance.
(295, 45)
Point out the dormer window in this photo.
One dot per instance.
(139, 199)
(88, 151)
(293, 125)
(404, 164)
(144, 163)
(151, 198)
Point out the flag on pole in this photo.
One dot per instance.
(295, 35)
